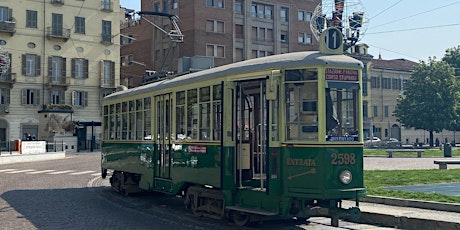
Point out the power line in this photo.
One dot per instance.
(428, 11)
(411, 29)
(381, 12)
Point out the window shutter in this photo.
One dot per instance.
(64, 70)
(73, 97)
(85, 68)
(62, 97)
(37, 65)
(24, 97)
(86, 99)
(112, 73)
(101, 67)
(7, 96)
(72, 67)
(10, 14)
(24, 58)
(37, 97)
(50, 67)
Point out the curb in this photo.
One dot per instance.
(439, 206)
(20, 158)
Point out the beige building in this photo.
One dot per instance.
(64, 58)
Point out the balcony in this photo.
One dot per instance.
(106, 39)
(8, 78)
(4, 108)
(57, 33)
(107, 83)
(57, 2)
(61, 108)
(8, 27)
(107, 6)
(58, 81)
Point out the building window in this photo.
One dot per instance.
(30, 65)
(284, 36)
(80, 98)
(365, 107)
(106, 5)
(215, 3)
(57, 97)
(385, 111)
(108, 73)
(79, 68)
(304, 16)
(31, 19)
(261, 11)
(156, 7)
(56, 69)
(239, 7)
(166, 6)
(284, 14)
(239, 54)
(214, 26)
(304, 38)
(56, 25)
(386, 83)
(6, 14)
(107, 31)
(30, 96)
(239, 31)
(79, 25)
(375, 111)
(175, 4)
(213, 50)
(375, 83)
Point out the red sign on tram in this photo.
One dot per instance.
(341, 74)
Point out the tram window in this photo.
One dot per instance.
(192, 114)
(139, 120)
(180, 114)
(111, 122)
(147, 119)
(217, 111)
(205, 113)
(341, 111)
(301, 87)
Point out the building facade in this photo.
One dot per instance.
(64, 58)
(224, 31)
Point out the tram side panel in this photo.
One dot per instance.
(315, 173)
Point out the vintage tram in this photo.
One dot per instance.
(273, 137)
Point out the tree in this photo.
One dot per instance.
(452, 57)
(429, 101)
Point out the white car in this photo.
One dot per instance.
(373, 140)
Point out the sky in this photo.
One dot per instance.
(409, 29)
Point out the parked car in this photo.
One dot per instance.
(392, 142)
(374, 142)
(374, 139)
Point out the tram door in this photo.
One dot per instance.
(163, 140)
(251, 141)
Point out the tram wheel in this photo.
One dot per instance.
(241, 218)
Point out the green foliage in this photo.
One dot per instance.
(452, 57)
(430, 99)
(377, 180)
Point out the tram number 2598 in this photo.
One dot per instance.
(343, 159)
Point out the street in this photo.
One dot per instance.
(70, 194)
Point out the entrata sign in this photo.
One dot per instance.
(341, 74)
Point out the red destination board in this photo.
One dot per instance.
(341, 74)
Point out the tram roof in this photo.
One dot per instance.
(284, 61)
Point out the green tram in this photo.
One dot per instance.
(273, 137)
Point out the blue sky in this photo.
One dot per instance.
(410, 29)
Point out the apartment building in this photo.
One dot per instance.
(64, 58)
(219, 32)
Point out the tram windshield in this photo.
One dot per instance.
(302, 114)
(342, 113)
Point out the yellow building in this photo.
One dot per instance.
(64, 58)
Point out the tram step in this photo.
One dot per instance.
(252, 210)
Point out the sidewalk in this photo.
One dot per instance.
(403, 213)
(16, 157)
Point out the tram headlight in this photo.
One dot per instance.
(345, 176)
